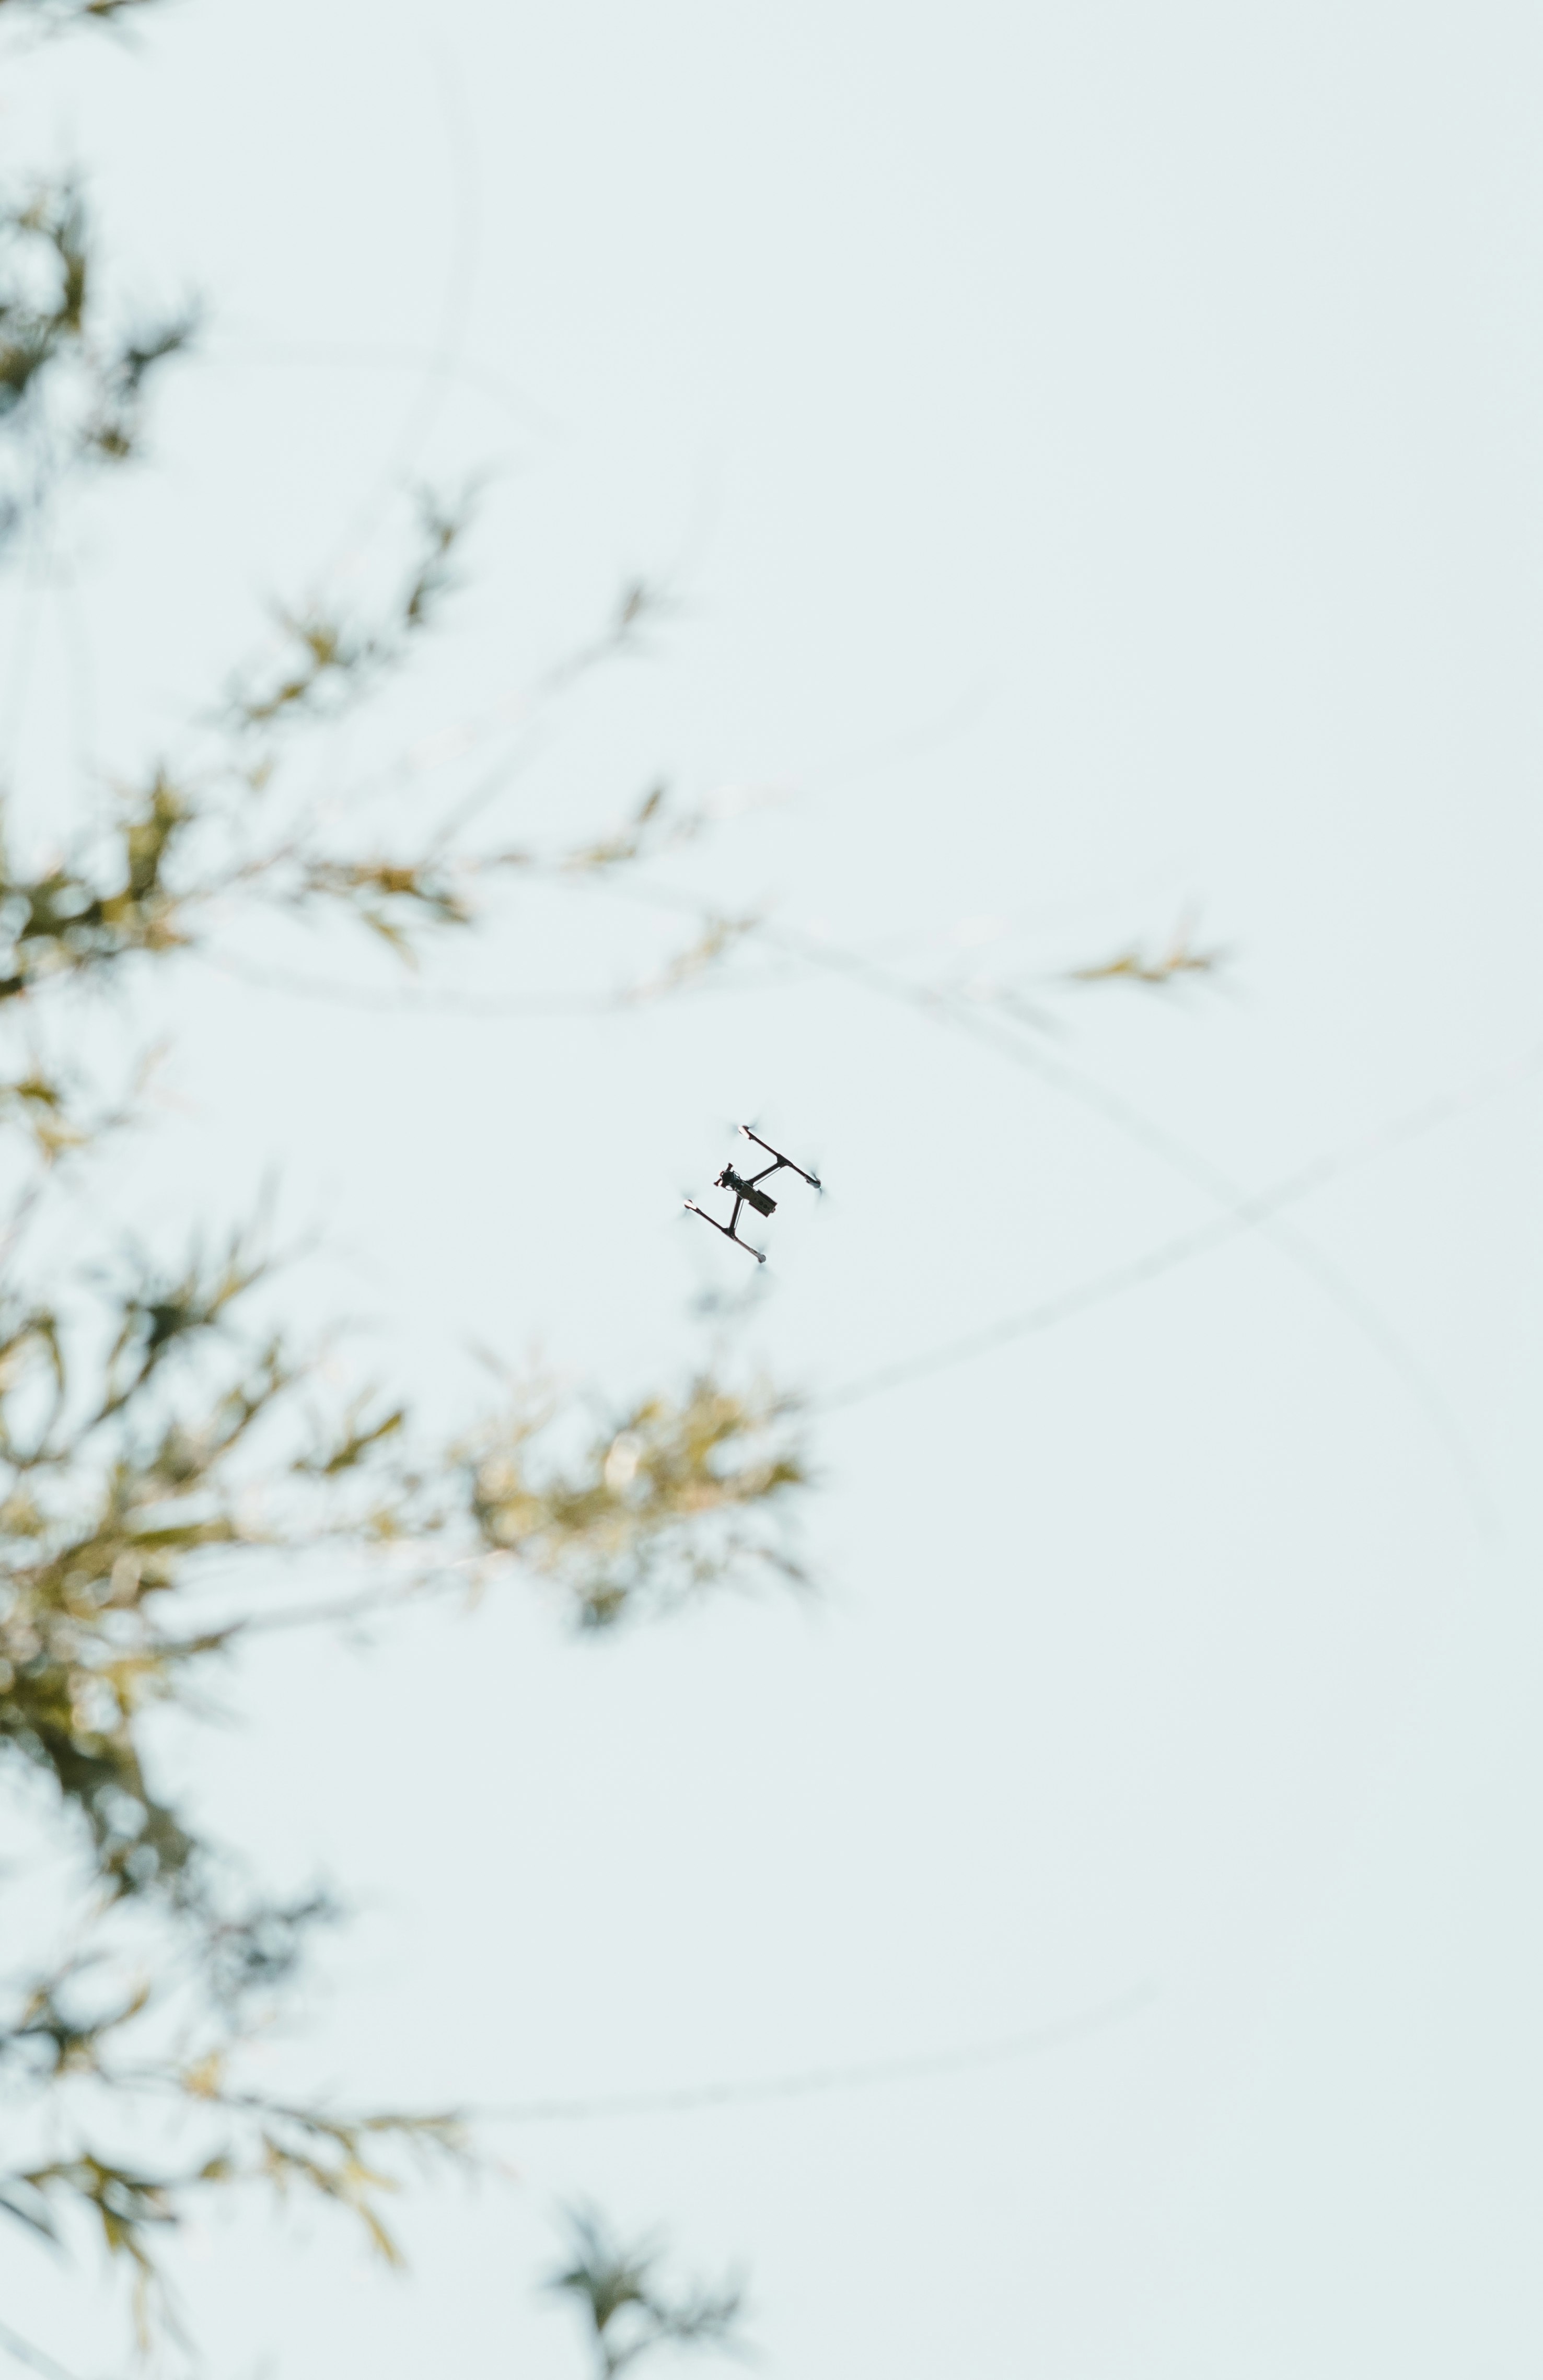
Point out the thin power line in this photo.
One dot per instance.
(1100, 1288)
(35, 2359)
(493, 1007)
(1241, 1211)
(443, 363)
(694, 2098)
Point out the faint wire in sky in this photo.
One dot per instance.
(443, 363)
(626, 1000)
(80, 667)
(1240, 1212)
(242, 352)
(694, 2099)
(34, 573)
(22, 2351)
(1100, 1289)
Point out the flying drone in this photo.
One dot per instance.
(746, 1193)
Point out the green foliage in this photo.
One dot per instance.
(85, 2047)
(626, 2313)
(74, 377)
(1157, 969)
(139, 1440)
(682, 1496)
(161, 1434)
(328, 662)
(74, 919)
(188, 1436)
(60, 15)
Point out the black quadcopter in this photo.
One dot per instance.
(746, 1194)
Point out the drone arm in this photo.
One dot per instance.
(779, 1158)
(727, 1229)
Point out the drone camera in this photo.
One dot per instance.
(730, 1180)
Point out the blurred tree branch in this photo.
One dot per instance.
(165, 1439)
(625, 2312)
(62, 15)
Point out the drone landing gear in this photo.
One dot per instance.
(727, 1229)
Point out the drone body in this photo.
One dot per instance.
(747, 1193)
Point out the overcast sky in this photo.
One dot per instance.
(1094, 454)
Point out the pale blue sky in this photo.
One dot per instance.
(1097, 450)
